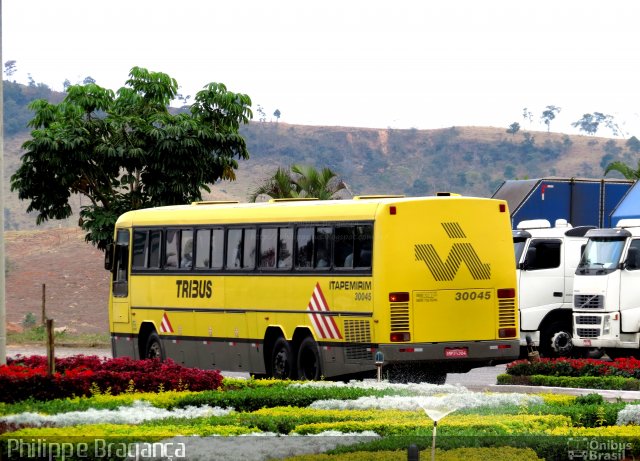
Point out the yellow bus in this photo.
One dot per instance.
(318, 288)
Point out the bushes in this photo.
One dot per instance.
(623, 367)
(26, 377)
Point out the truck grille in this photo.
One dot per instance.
(399, 317)
(588, 302)
(587, 320)
(588, 332)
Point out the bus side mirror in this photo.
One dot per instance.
(108, 257)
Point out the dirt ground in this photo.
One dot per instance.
(76, 284)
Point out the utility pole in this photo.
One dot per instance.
(3, 311)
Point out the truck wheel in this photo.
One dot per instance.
(154, 349)
(282, 360)
(555, 341)
(309, 362)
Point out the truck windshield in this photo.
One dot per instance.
(601, 256)
(518, 246)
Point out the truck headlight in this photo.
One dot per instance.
(606, 325)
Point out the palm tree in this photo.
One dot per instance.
(279, 185)
(624, 169)
(300, 181)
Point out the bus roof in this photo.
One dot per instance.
(357, 209)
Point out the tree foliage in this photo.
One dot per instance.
(513, 128)
(549, 114)
(590, 123)
(624, 169)
(126, 151)
(299, 182)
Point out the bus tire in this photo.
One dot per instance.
(309, 360)
(154, 349)
(282, 360)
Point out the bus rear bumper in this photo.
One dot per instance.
(488, 352)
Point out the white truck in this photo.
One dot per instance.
(546, 260)
(606, 301)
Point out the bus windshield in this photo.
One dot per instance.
(601, 256)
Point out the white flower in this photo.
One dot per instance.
(139, 411)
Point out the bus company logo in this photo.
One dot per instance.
(324, 325)
(165, 325)
(460, 252)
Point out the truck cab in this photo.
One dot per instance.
(606, 309)
(546, 260)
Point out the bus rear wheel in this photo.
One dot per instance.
(154, 349)
(282, 360)
(309, 362)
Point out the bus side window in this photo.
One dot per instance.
(343, 247)
(323, 248)
(268, 240)
(234, 249)
(304, 247)
(363, 243)
(249, 251)
(217, 248)
(121, 265)
(171, 248)
(203, 248)
(285, 247)
(155, 247)
(186, 249)
(139, 257)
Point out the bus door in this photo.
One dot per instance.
(120, 278)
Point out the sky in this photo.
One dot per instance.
(402, 64)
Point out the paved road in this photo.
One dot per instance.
(478, 377)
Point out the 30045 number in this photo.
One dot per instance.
(472, 295)
(363, 296)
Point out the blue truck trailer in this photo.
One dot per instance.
(580, 201)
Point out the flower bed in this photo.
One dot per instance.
(379, 420)
(620, 374)
(26, 377)
(264, 419)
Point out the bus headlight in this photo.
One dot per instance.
(606, 325)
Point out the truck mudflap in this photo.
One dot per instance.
(481, 352)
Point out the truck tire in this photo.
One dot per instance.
(555, 340)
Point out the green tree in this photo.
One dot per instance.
(299, 182)
(277, 114)
(549, 114)
(513, 128)
(624, 169)
(126, 151)
(10, 68)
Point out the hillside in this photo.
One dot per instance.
(466, 160)
(76, 284)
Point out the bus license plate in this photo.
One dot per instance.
(456, 352)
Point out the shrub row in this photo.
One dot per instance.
(622, 367)
(26, 377)
(586, 382)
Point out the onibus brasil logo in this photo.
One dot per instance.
(460, 252)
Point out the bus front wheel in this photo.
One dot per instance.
(282, 360)
(309, 364)
(154, 349)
